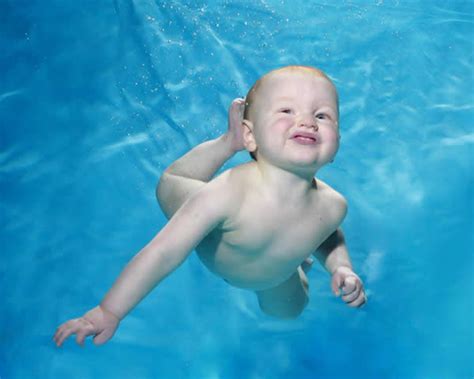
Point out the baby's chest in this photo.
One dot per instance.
(274, 232)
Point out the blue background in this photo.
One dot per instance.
(98, 97)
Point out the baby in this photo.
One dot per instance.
(255, 225)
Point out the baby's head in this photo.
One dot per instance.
(297, 90)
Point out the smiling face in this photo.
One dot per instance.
(293, 119)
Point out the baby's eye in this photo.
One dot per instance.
(285, 110)
(321, 116)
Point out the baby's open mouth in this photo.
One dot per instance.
(305, 138)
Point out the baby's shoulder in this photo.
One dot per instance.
(237, 175)
(229, 183)
(334, 200)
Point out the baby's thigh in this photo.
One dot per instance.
(287, 300)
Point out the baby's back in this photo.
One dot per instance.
(262, 242)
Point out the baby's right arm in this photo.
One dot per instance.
(197, 217)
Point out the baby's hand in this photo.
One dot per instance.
(351, 284)
(235, 128)
(97, 322)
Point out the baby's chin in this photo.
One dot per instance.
(311, 163)
(322, 153)
(298, 163)
(292, 159)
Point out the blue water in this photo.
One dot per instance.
(98, 97)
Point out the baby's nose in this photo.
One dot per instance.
(308, 121)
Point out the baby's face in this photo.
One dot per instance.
(292, 102)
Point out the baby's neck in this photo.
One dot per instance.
(283, 185)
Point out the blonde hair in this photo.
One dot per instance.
(253, 91)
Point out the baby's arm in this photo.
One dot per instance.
(333, 255)
(201, 213)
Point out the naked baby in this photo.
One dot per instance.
(255, 225)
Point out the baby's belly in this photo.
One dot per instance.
(250, 269)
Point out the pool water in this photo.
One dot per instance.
(98, 98)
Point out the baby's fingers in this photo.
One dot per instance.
(359, 301)
(239, 101)
(350, 297)
(352, 287)
(237, 106)
(77, 326)
(86, 330)
(64, 331)
(350, 284)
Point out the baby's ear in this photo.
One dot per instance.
(247, 124)
(248, 136)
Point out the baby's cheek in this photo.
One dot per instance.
(332, 141)
(332, 137)
(283, 124)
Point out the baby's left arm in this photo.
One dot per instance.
(333, 255)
